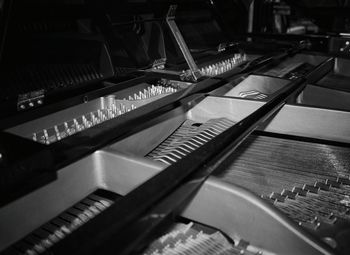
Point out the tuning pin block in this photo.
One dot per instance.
(343, 180)
(110, 109)
(278, 197)
(310, 188)
(223, 66)
(331, 219)
(333, 183)
(313, 224)
(288, 194)
(299, 191)
(322, 185)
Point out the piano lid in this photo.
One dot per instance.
(5, 6)
(51, 51)
(62, 48)
(207, 23)
(139, 27)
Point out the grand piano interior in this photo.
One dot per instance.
(174, 127)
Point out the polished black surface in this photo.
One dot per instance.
(76, 51)
(136, 207)
(22, 166)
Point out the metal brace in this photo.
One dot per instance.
(170, 19)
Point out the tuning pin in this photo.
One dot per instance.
(46, 136)
(92, 118)
(331, 219)
(57, 132)
(34, 137)
(144, 92)
(97, 119)
(66, 128)
(85, 122)
(105, 114)
(121, 108)
(99, 116)
(76, 124)
(72, 129)
(109, 114)
(114, 109)
(41, 137)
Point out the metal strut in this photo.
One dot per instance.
(170, 19)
